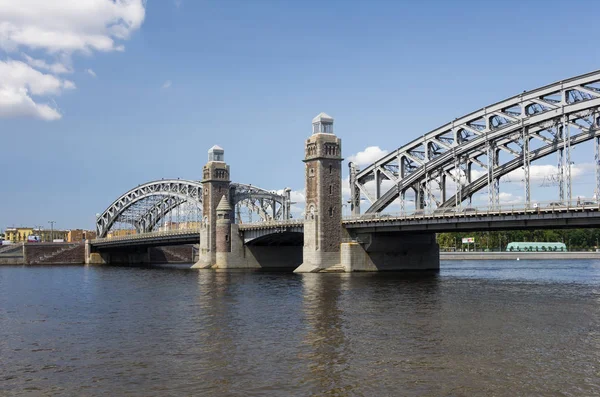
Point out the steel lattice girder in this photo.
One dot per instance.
(516, 163)
(262, 201)
(469, 136)
(182, 189)
(174, 193)
(152, 217)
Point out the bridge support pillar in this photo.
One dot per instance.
(205, 260)
(95, 258)
(391, 252)
(215, 184)
(323, 213)
(231, 252)
(125, 257)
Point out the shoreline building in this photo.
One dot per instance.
(21, 233)
(80, 235)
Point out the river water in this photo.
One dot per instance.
(489, 328)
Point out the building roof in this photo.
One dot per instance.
(323, 117)
(215, 148)
(224, 204)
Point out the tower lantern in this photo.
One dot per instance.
(216, 153)
(322, 124)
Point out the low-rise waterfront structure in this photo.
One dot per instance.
(20, 234)
(79, 235)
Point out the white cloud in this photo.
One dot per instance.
(298, 196)
(55, 68)
(15, 102)
(345, 189)
(177, 3)
(57, 29)
(68, 26)
(68, 85)
(509, 198)
(18, 74)
(368, 156)
(20, 82)
(90, 72)
(505, 198)
(546, 173)
(167, 84)
(298, 199)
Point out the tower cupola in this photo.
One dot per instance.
(216, 153)
(322, 124)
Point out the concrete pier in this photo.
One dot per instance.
(380, 252)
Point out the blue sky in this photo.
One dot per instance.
(249, 76)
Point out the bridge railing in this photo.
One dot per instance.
(274, 223)
(577, 204)
(137, 236)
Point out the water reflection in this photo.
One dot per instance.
(327, 357)
(214, 334)
(161, 331)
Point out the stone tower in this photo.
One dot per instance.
(215, 185)
(223, 232)
(323, 212)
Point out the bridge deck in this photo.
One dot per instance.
(468, 220)
(171, 237)
(480, 220)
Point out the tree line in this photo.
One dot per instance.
(575, 239)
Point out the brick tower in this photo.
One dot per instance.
(215, 185)
(323, 212)
(223, 232)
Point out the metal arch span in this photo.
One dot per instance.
(544, 115)
(182, 190)
(268, 204)
(173, 193)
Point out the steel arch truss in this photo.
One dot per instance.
(546, 115)
(146, 205)
(269, 205)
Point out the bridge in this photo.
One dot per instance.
(439, 173)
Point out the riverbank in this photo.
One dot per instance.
(444, 256)
(74, 254)
(460, 256)
(11, 260)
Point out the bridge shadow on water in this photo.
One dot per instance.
(406, 275)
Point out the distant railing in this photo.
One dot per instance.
(179, 232)
(136, 236)
(274, 223)
(579, 204)
(354, 240)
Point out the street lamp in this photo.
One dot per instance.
(51, 230)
